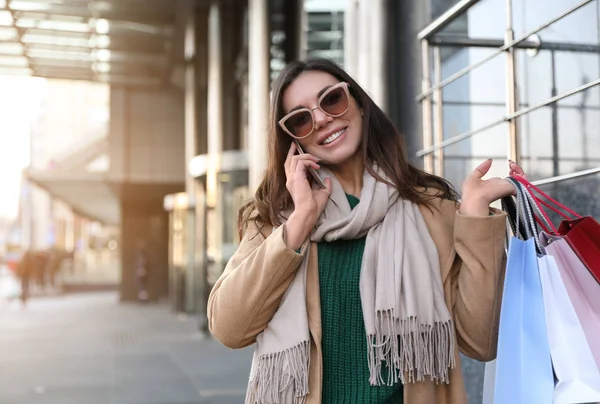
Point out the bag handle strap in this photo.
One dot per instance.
(541, 217)
(520, 213)
(547, 200)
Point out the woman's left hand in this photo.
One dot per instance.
(478, 194)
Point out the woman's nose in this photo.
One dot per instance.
(321, 118)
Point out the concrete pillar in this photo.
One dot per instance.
(258, 90)
(371, 67)
(231, 40)
(215, 98)
(295, 46)
(191, 150)
(191, 128)
(351, 35)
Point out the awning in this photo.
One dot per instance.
(89, 194)
(80, 180)
(122, 42)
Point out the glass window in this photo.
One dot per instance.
(476, 22)
(325, 29)
(580, 194)
(530, 14)
(463, 157)
(484, 84)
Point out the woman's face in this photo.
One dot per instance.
(334, 140)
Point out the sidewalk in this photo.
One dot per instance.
(90, 349)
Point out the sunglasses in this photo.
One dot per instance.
(334, 102)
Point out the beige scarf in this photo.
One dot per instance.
(408, 326)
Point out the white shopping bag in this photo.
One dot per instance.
(489, 376)
(574, 366)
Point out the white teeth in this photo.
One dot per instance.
(334, 136)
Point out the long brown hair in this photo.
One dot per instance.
(381, 144)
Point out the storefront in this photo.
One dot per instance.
(522, 85)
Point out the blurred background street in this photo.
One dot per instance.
(89, 349)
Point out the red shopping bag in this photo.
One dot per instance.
(583, 235)
(581, 232)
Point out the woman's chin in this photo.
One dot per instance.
(337, 157)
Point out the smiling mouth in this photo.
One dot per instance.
(334, 136)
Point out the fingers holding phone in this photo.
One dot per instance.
(307, 198)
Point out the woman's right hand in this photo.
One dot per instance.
(309, 201)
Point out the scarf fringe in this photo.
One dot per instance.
(410, 350)
(272, 374)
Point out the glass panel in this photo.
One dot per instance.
(325, 29)
(574, 130)
(8, 34)
(530, 14)
(580, 194)
(476, 86)
(579, 137)
(5, 18)
(476, 22)
(16, 61)
(463, 157)
(9, 48)
(562, 71)
(536, 143)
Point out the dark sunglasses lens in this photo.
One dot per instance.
(299, 124)
(335, 102)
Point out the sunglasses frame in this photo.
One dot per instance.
(341, 84)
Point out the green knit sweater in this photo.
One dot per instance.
(345, 361)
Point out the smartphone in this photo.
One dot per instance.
(311, 170)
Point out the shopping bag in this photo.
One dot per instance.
(583, 291)
(582, 233)
(489, 378)
(578, 378)
(523, 365)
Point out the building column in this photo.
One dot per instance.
(296, 44)
(191, 150)
(351, 35)
(215, 98)
(258, 90)
(370, 29)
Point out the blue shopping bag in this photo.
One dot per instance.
(523, 366)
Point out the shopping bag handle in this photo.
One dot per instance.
(548, 198)
(540, 203)
(521, 216)
(541, 218)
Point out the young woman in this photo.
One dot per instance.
(364, 290)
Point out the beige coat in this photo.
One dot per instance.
(472, 261)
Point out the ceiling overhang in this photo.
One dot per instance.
(120, 42)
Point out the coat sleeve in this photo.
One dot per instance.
(248, 293)
(478, 283)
